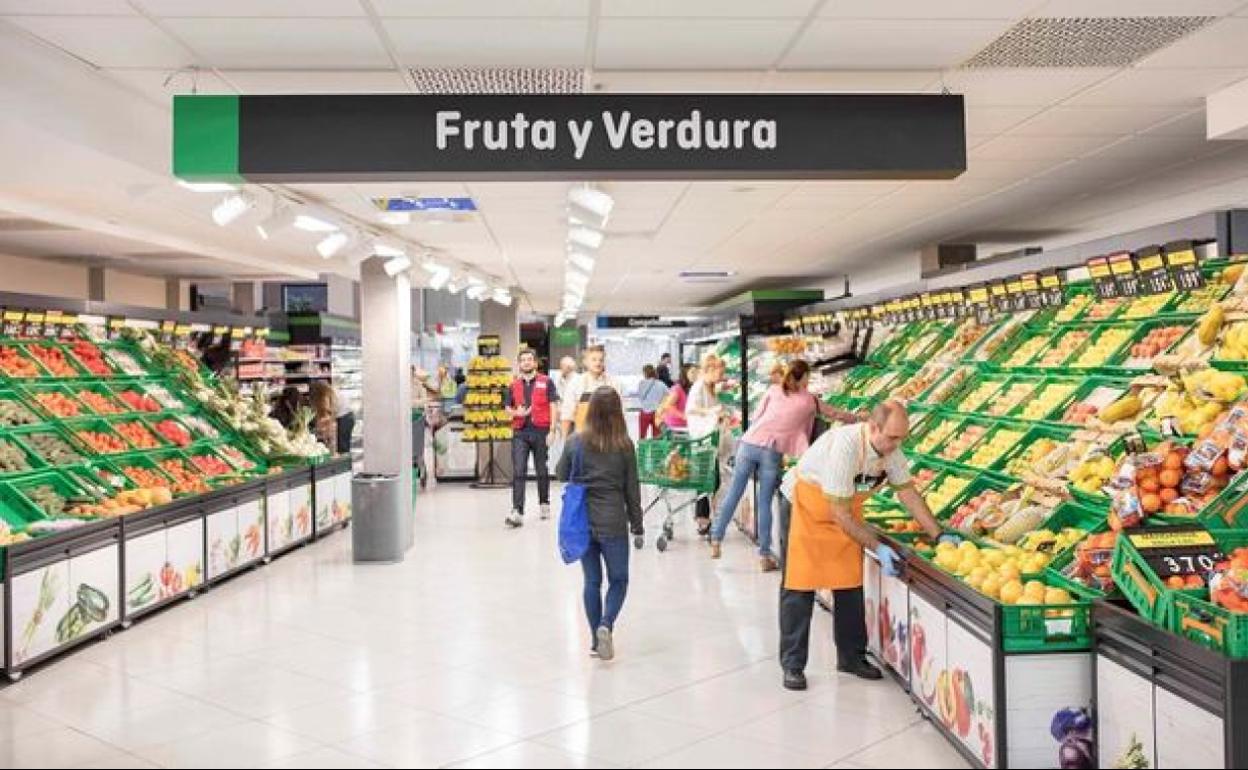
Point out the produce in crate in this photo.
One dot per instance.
(994, 448)
(1030, 457)
(211, 465)
(1003, 333)
(143, 477)
(1072, 309)
(902, 526)
(200, 426)
(1145, 307)
(173, 432)
(137, 434)
(976, 398)
(1200, 300)
(185, 480)
(51, 448)
(966, 335)
(104, 443)
(935, 437)
(923, 477)
(1023, 354)
(126, 362)
(12, 458)
(1103, 310)
(1228, 584)
(997, 573)
(163, 396)
(98, 403)
(58, 405)
(1093, 473)
(91, 358)
(47, 499)
(1099, 352)
(948, 386)
(9, 537)
(920, 382)
(14, 414)
(1046, 400)
(1156, 342)
(1047, 541)
(139, 402)
(1065, 347)
(944, 493)
(1234, 343)
(14, 364)
(963, 441)
(125, 502)
(53, 360)
(1004, 401)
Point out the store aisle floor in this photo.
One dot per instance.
(473, 653)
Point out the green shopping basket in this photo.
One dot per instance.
(679, 462)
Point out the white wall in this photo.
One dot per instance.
(882, 274)
(38, 276)
(130, 289)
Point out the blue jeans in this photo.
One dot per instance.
(751, 459)
(613, 551)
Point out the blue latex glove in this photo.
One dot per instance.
(890, 562)
(949, 537)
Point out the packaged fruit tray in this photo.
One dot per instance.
(1150, 594)
(1048, 400)
(1059, 572)
(1217, 618)
(913, 386)
(16, 411)
(1087, 479)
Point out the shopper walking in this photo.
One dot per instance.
(664, 370)
(650, 394)
(424, 401)
(608, 469)
(575, 403)
(324, 414)
(563, 380)
(703, 416)
(827, 536)
(533, 404)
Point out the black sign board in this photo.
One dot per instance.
(1051, 288)
(1185, 549)
(1154, 277)
(640, 322)
(1181, 259)
(489, 345)
(1122, 267)
(380, 137)
(1102, 279)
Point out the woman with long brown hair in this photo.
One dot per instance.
(608, 470)
(781, 427)
(325, 414)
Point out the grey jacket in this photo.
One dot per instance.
(612, 491)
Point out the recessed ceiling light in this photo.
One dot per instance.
(396, 265)
(207, 187)
(586, 237)
(231, 208)
(331, 243)
(314, 224)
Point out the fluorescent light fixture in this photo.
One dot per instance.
(396, 265)
(502, 297)
(477, 291)
(475, 281)
(581, 261)
(585, 237)
(331, 244)
(283, 216)
(314, 224)
(207, 187)
(432, 266)
(440, 278)
(576, 279)
(383, 249)
(397, 218)
(231, 208)
(454, 286)
(572, 301)
(594, 201)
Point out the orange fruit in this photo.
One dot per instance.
(1151, 503)
(1174, 461)
(1168, 495)
(1150, 484)
(1220, 467)
(1171, 478)
(1194, 581)
(1175, 581)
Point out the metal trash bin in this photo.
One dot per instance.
(378, 533)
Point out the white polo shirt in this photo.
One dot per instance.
(582, 387)
(839, 457)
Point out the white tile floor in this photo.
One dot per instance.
(470, 654)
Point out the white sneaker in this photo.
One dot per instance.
(606, 643)
(515, 520)
(545, 511)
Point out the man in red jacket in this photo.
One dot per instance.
(534, 407)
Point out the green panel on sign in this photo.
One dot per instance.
(567, 338)
(205, 138)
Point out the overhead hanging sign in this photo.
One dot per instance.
(394, 137)
(640, 322)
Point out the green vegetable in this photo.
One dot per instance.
(143, 593)
(52, 449)
(12, 458)
(13, 414)
(47, 498)
(94, 603)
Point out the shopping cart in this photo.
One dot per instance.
(677, 465)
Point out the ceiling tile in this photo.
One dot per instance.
(879, 44)
(702, 43)
(1222, 42)
(848, 81)
(1191, 125)
(316, 81)
(160, 86)
(1008, 87)
(282, 43)
(512, 42)
(1093, 121)
(109, 41)
(1011, 147)
(721, 9)
(995, 120)
(252, 8)
(1101, 8)
(629, 81)
(482, 8)
(66, 8)
(1157, 87)
(926, 9)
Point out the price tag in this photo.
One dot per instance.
(1183, 268)
(33, 323)
(1154, 277)
(238, 333)
(1051, 288)
(182, 330)
(1102, 279)
(13, 322)
(999, 297)
(1187, 549)
(1122, 267)
(217, 331)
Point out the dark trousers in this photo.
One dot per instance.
(524, 443)
(702, 507)
(613, 552)
(849, 617)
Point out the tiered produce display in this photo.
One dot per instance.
(485, 416)
(1045, 438)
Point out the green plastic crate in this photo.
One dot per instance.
(33, 462)
(983, 388)
(1046, 627)
(1035, 432)
(148, 424)
(103, 390)
(1117, 352)
(934, 423)
(136, 387)
(1020, 387)
(14, 401)
(78, 371)
(58, 482)
(939, 455)
(145, 461)
(1064, 364)
(28, 437)
(979, 484)
(994, 431)
(33, 391)
(15, 509)
(1055, 574)
(1087, 388)
(1140, 584)
(948, 386)
(96, 425)
(1193, 616)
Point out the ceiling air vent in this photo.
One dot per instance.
(1114, 41)
(706, 276)
(498, 80)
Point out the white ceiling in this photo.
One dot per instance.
(1054, 154)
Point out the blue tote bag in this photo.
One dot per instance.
(574, 518)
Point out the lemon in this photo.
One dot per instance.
(1009, 571)
(1035, 563)
(1057, 596)
(945, 546)
(979, 573)
(1011, 591)
(993, 557)
(966, 546)
(1035, 589)
(991, 587)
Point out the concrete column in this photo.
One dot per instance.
(95, 284)
(173, 294)
(505, 322)
(243, 297)
(385, 337)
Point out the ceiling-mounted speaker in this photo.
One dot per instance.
(939, 257)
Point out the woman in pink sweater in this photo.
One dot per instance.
(782, 427)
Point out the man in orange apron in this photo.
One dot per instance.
(826, 534)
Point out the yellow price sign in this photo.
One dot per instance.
(1152, 262)
(1185, 257)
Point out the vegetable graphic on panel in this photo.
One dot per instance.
(1134, 757)
(142, 593)
(49, 588)
(1072, 728)
(91, 607)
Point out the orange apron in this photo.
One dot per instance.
(820, 553)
